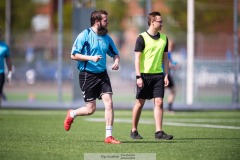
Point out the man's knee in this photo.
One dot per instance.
(139, 104)
(159, 102)
(90, 108)
(90, 111)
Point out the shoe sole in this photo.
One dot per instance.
(68, 113)
(163, 139)
(136, 138)
(111, 143)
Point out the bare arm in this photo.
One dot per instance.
(137, 63)
(81, 57)
(137, 68)
(115, 65)
(9, 64)
(174, 66)
(166, 68)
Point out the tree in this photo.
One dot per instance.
(116, 10)
(21, 14)
(211, 16)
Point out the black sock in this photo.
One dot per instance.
(158, 132)
(169, 106)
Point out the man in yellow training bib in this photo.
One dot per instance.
(151, 52)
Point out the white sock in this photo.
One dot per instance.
(73, 114)
(108, 131)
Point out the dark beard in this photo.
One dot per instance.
(102, 31)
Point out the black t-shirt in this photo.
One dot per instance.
(140, 44)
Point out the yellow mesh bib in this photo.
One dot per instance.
(152, 56)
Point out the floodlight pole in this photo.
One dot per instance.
(235, 47)
(60, 48)
(190, 51)
(148, 7)
(8, 23)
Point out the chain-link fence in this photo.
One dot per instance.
(35, 76)
(35, 63)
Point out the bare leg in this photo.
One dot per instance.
(109, 115)
(158, 113)
(171, 97)
(88, 109)
(137, 109)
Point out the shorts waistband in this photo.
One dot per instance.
(82, 72)
(151, 75)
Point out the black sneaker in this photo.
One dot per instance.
(135, 135)
(162, 135)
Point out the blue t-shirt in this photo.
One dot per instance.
(91, 44)
(4, 52)
(170, 60)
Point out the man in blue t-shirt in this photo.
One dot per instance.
(172, 66)
(90, 50)
(4, 55)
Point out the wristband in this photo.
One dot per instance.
(137, 77)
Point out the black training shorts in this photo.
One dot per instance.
(2, 80)
(153, 86)
(94, 85)
(171, 81)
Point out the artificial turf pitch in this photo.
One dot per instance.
(39, 134)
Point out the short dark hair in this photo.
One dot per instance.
(151, 17)
(97, 15)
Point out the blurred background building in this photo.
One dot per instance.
(33, 43)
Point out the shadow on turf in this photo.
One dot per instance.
(175, 140)
(190, 139)
(150, 141)
(145, 141)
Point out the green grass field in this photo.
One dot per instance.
(39, 134)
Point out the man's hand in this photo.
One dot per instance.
(166, 81)
(140, 82)
(9, 76)
(96, 58)
(115, 66)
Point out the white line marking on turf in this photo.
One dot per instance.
(201, 120)
(165, 123)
